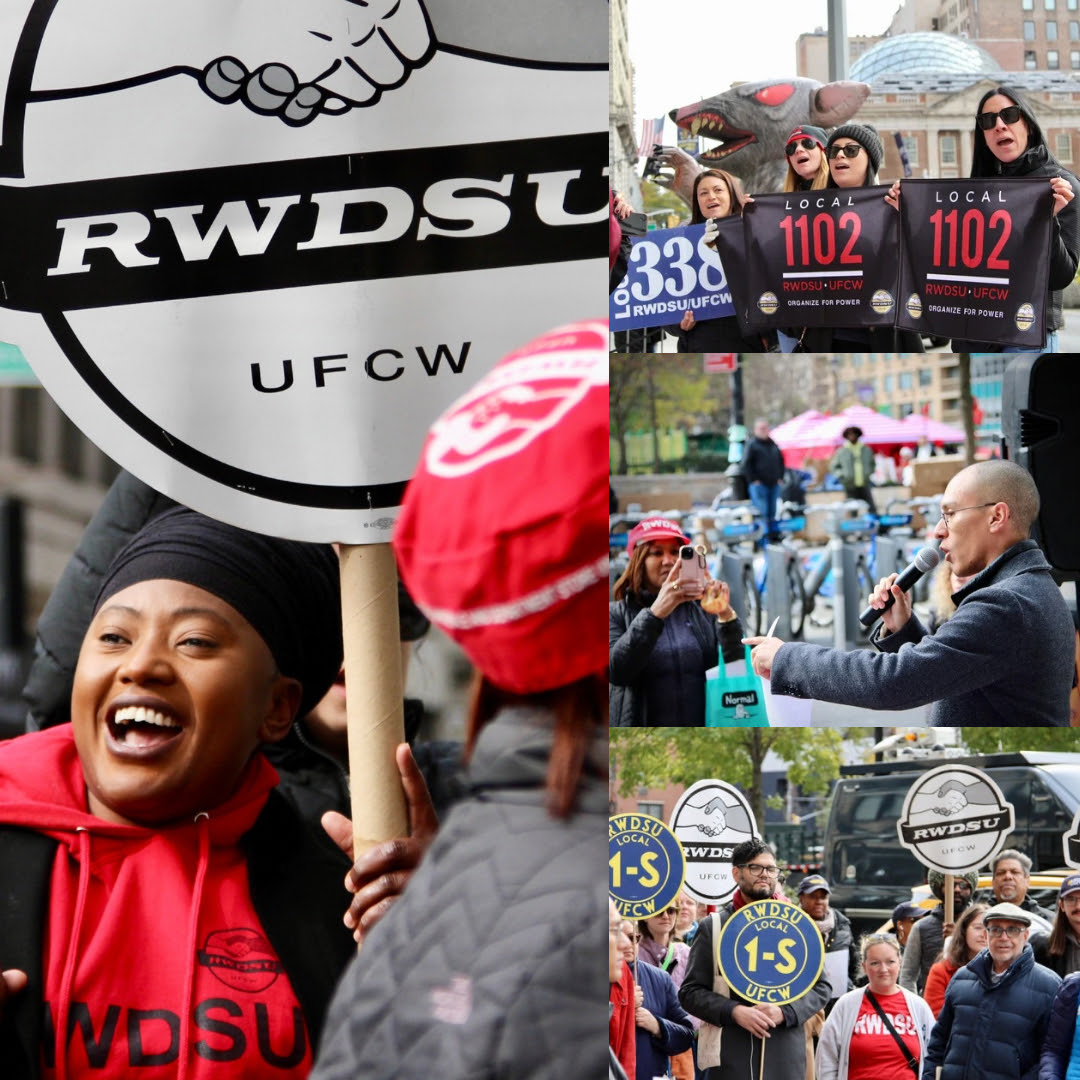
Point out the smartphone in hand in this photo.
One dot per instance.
(691, 565)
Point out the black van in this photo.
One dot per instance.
(870, 873)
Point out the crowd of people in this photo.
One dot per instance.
(990, 995)
(1008, 142)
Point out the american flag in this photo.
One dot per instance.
(652, 134)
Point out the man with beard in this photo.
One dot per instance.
(928, 935)
(742, 1022)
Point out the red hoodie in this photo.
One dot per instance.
(622, 1025)
(154, 958)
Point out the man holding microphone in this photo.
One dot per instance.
(1005, 658)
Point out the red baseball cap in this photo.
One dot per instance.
(502, 537)
(657, 528)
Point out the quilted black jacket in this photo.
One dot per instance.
(491, 965)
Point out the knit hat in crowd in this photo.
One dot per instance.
(936, 880)
(502, 536)
(289, 591)
(808, 131)
(866, 136)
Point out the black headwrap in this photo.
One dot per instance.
(289, 591)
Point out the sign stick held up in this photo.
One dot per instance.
(374, 698)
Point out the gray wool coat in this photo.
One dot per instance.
(740, 1052)
(1005, 658)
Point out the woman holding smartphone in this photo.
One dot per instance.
(666, 627)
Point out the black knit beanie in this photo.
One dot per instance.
(287, 590)
(866, 136)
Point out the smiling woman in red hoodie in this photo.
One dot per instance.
(163, 913)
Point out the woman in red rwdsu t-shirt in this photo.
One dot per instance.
(856, 1043)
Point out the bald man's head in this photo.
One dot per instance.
(1005, 481)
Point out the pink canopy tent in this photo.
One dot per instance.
(793, 428)
(821, 438)
(934, 430)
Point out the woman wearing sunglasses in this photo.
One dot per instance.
(807, 166)
(1009, 142)
(862, 1037)
(807, 170)
(854, 153)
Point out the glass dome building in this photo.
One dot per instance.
(928, 52)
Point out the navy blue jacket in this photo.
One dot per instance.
(988, 1030)
(676, 1031)
(1006, 657)
(1057, 1049)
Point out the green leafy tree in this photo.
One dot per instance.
(996, 740)
(654, 392)
(656, 757)
(655, 197)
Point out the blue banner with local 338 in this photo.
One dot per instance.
(670, 271)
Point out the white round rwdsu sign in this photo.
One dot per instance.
(255, 247)
(954, 819)
(711, 819)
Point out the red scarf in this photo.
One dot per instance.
(738, 900)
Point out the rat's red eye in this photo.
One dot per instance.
(775, 95)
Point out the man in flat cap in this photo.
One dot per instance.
(996, 1009)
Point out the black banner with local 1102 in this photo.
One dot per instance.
(821, 258)
(975, 259)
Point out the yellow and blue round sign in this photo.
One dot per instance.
(770, 951)
(646, 865)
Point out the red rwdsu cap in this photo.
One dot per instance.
(502, 538)
(655, 528)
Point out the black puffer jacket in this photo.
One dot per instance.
(634, 633)
(491, 963)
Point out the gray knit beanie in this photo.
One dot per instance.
(866, 136)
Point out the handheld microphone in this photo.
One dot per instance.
(925, 560)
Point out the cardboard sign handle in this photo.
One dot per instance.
(374, 698)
